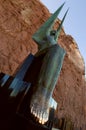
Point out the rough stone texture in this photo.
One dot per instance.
(70, 92)
(19, 19)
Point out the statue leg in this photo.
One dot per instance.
(50, 69)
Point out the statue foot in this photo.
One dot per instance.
(41, 115)
(39, 106)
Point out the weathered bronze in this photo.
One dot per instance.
(53, 55)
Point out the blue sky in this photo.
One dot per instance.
(75, 22)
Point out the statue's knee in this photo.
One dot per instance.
(54, 49)
(57, 50)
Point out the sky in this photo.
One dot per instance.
(75, 22)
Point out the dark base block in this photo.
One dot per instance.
(22, 123)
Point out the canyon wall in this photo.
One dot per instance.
(19, 19)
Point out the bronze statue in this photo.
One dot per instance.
(46, 39)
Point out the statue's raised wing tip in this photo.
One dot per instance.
(45, 29)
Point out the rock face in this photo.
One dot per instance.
(19, 19)
(71, 88)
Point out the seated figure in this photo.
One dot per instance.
(46, 39)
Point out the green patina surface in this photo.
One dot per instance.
(47, 41)
(53, 56)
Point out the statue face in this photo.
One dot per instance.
(53, 32)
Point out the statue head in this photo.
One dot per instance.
(46, 31)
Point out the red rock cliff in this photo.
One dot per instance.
(19, 19)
